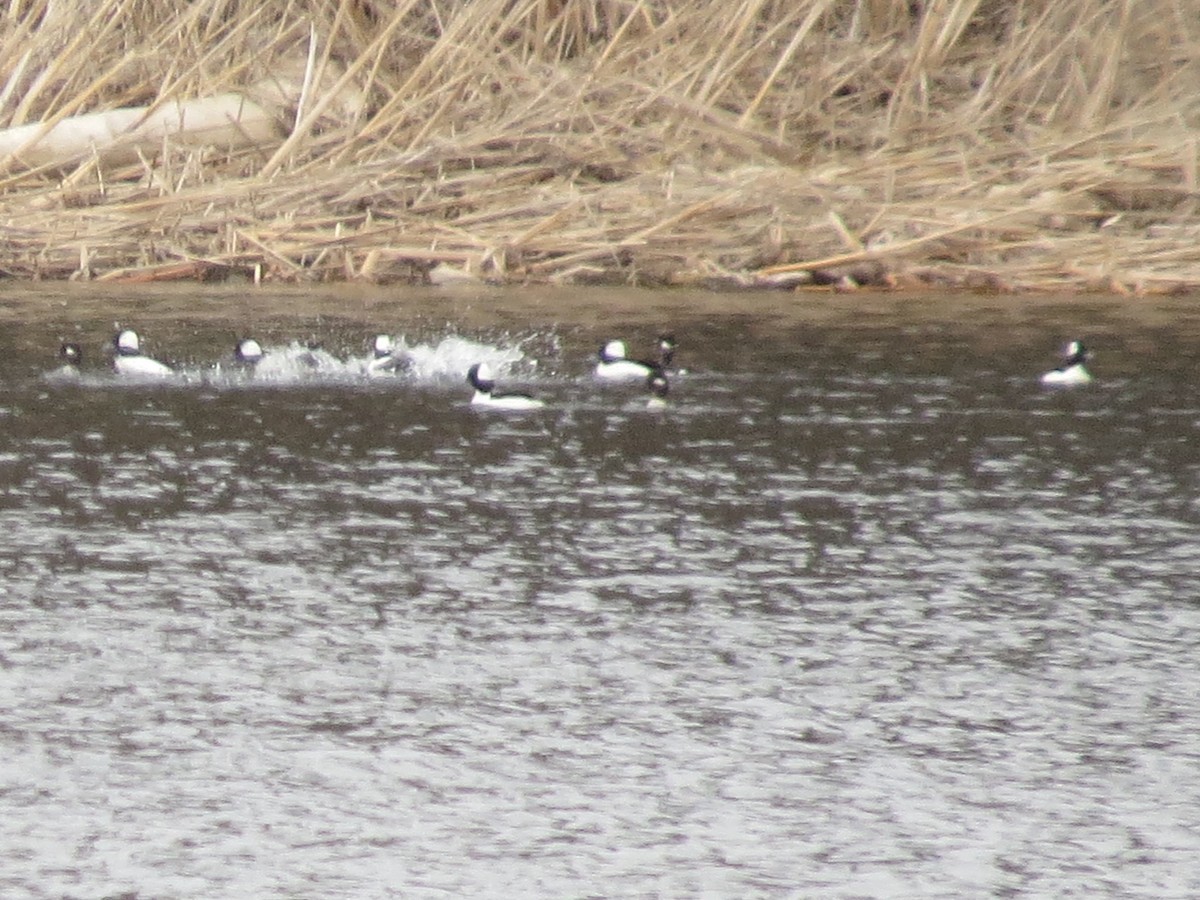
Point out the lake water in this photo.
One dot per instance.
(864, 612)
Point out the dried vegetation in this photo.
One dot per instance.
(997, 144)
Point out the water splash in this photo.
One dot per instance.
(299, 363)
(450, 358)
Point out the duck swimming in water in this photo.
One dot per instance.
(666, 350)
(615, 364)
(130, 362)
(480, 377)
(386, 358)
(1072, 372)
(248, 352)
(658, 387)
(70, 355)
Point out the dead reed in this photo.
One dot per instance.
(994, 144)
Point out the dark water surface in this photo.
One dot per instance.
(863, 613)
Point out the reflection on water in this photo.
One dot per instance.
(864, 612)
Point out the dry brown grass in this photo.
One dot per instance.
(1042, 144)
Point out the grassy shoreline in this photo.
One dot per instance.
(967, 144)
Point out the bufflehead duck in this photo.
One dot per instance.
(658, 386)
(386, 360)
(480, 377)
(615, 365)
(248, 352)
(1072, 372)
(666, 350)
(71, 356)
(131, 362)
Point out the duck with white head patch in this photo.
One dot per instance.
(480, 377)
(387, 358)
(248, 352)
(615, 364)
(130, 362)
(666, 350)
(1073, 372)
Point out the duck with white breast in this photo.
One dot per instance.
(480, 377)
(130, 362)
(615, 364)
(1073, 372)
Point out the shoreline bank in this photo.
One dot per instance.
(962, 146)
(714, 237)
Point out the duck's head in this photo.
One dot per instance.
(127, 343)
(657, 384)
(384, 346)
(480, 377)
(1076, 353)
(612, 351)
(70, 353)
(248, 351)
(666, 349)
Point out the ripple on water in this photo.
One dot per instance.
(880, 634)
